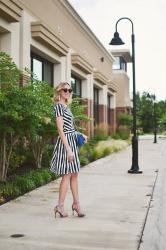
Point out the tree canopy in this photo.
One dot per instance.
(150, 112)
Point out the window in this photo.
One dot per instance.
(116, 64)
(37, 68)
(76, 84)
(120, 63)
(96, 105)
(42, 69)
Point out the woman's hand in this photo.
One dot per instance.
(70, 155)
(86, 138)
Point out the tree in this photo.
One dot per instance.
(145, 112)
(124, 119)
(42, 129)
(163, 121)
(78, 111)
(150, 112)
(162, 112)
(9, 110)
(24, 112)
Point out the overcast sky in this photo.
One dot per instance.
(149, 18)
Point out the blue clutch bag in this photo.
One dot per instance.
(80, 140)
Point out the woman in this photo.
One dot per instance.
(65, 159)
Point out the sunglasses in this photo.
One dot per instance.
(69, 90)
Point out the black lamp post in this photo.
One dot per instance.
(116, 40)
(154, 119)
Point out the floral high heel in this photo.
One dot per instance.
(58, 209)
(76, 208)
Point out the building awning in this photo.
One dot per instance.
(10, 11)
(97, 75)
(112, 86)
(47, 37)
(125, 53)
(81, 63)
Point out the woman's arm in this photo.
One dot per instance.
(59, 123)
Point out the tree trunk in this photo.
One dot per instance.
(3, 158)
(39, 160)
(37, 146)
(5, 155)
(13, 141)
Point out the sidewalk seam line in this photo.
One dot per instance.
(146, 217)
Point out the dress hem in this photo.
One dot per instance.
(70, 172)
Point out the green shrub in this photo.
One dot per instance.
(107, 151)
(115, 136)
(124, 119)
(10, 190)
(47, 155)
(86, 151)
(16, 160)
(100, 134)
(36, 178)
(21, 159)
(96, 154)
(123, 135)
(83, 160)
(46, 175)
(24, 183)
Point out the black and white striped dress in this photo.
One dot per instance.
(60, 163)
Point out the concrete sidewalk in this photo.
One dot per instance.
(115, 203)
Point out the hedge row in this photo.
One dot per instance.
(25, 183)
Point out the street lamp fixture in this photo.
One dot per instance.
(116, 40)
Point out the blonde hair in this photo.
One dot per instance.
(58, 88)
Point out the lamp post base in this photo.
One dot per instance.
(131, 171)
(134, 168)
(155, 139)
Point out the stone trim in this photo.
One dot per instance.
(3, 30)
(10, 11)
(112, 86)
(45, 36)
(98, 76)
(81, 63)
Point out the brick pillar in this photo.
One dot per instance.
(89, 112)
(113, 121)
(24, 79)
(101, 114)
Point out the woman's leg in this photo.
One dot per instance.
(74, 187)
(63, 190)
